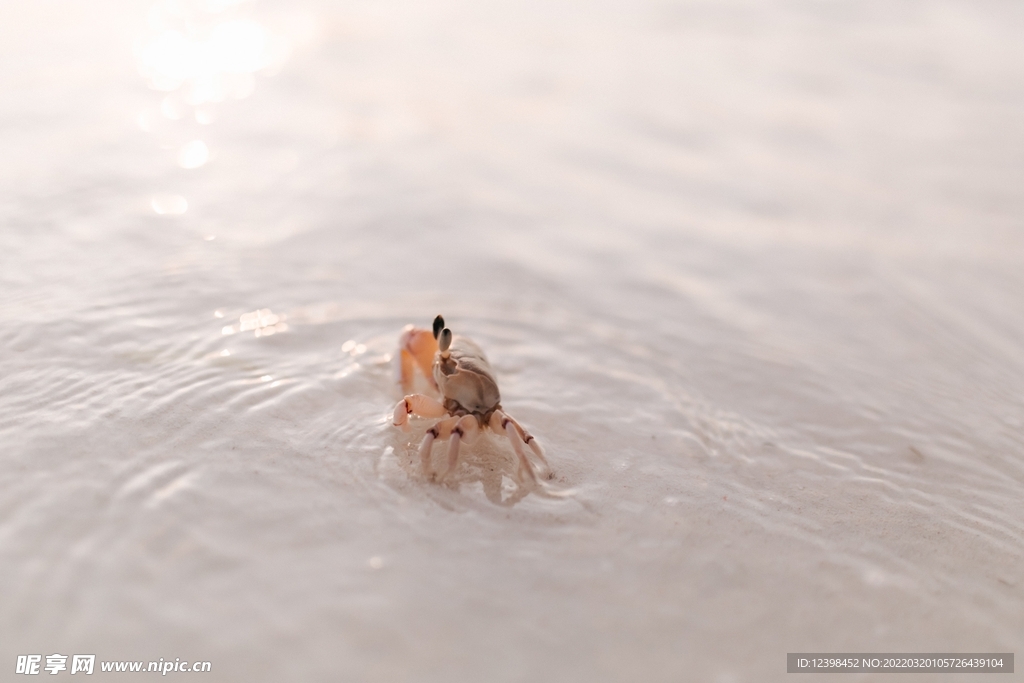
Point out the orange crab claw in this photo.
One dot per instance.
(417, 348)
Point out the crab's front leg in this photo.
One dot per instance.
(455, 429)
(466, 429)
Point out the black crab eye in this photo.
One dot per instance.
(445, 340)
(438, 326)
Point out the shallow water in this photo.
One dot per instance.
(750, 272)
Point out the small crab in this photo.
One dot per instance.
(458, 371)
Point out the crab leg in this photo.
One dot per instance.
(502, 423)
(530, 441)
(467, 428)
(441, 430)
(419, 405)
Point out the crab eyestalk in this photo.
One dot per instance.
(438, 326)
(444, 342)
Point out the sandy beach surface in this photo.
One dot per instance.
(750, 271)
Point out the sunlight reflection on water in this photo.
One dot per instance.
(200, 54)
(193, 154)
(210, 57)
(169, 204)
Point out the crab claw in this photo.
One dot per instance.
(416, 349)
